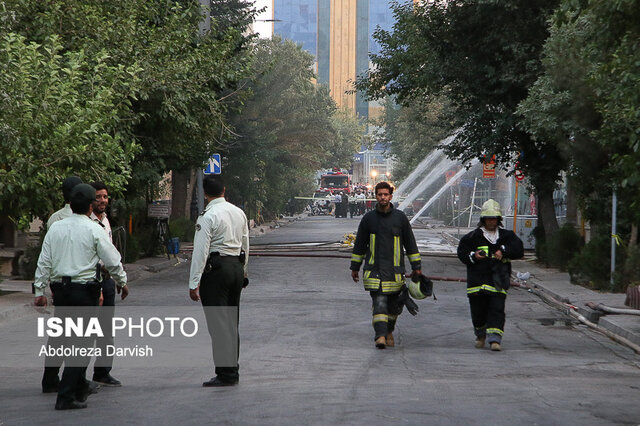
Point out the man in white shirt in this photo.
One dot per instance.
(70, 252)
(218, 275)
(103, 365)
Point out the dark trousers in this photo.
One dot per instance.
(487, 315)
(385, 312)
(103, 364)
(73, 382)
(222, 287)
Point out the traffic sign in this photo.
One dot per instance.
(519, 174)
(489, 168)
(215, 165)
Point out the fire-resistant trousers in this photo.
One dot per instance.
(487, 315)
(385, 312)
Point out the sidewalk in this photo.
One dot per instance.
(16, 298)
(556, 285)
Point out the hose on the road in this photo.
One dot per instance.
(573, 312)
(608, 309)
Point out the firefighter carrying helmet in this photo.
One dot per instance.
(421, 289)
(491, 209)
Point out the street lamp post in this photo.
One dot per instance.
(374, 174)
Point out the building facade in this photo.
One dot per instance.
(339, 33)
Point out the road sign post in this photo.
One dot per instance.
(215, 165)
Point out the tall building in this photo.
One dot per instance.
(339, 33)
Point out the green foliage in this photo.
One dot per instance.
(112, 79)
(28, 262)
(483, 56)
(133, 249)
(59, 115)
(182, 228)
(591, 267)
(588, 101)
(287, 129)
(563, 245)
(413, 130)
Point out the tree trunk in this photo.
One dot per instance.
(178, 193)
(633, 239)
(547, 213)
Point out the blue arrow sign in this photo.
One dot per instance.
(215, 165)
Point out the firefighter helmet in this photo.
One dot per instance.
(491, 209)
(421, 289)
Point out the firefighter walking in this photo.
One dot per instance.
(384, 234)
(487, 252)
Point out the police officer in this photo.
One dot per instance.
(218, 275)
(50, 379)
(487, 252)
(382, 235)
(67, 186)
(70, 253)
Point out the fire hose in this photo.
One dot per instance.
(572, 311)
(341, 256)
(608, 309)
(567, 308)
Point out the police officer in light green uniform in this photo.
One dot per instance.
(218, 275)
(67, 186)
(70, 253)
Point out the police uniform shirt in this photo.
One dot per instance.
(104, 224)
(222, 228)
(63, 213)
(73, 247)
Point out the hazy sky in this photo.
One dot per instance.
(261, 27)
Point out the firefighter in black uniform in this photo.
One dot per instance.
(487, 252)
(382, 235)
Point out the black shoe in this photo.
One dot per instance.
(93, 387)
(70, 405)
(88, 389)
(107, 380)
(216, 382)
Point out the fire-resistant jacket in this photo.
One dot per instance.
(481, 273)
(379, 243)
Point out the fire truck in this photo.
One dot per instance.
(335, 182)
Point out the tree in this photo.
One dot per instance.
(413, 130)
(288, 128)
(184, 80)
(59, 115)
(587, 100)
(482, 55)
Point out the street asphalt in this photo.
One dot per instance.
(307, 353)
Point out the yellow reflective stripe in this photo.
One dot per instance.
(414, 257)
(485, 287)
(391, 286)
(494, 331)
(380, 318)
(357, 257)
(399, 278)
(372, 248)
(396, 251)
(485, 248)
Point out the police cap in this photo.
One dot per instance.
(68, 184)
(83, 193)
